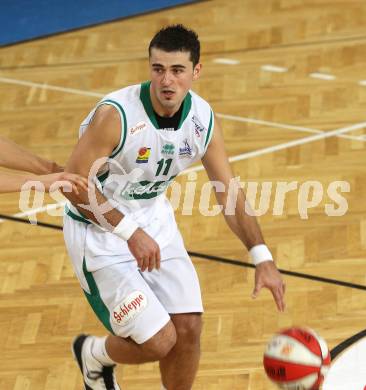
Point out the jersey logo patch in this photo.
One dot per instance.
(168, 149)
(137, 128)
(198, 126)
(143, 155)
(129, 308)
(186, 150)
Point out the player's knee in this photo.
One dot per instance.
(158, 346)
(188, 328)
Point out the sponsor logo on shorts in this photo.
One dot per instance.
(129, 308)
(138, 127)
(143, 155)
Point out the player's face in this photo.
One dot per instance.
(172, 75)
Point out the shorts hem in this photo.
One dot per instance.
(193, 309)
(153, 331)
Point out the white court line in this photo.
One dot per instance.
(29, 213)
(226, 61)
(243, 156)
(50, 87)
(48, 207)
(286, 145)
(228, 117)
(322, 76)
(284, 126)
(260, 152)
(274, 68)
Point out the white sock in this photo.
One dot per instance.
(99, 352)
(163, 388)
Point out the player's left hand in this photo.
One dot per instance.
(268, 276)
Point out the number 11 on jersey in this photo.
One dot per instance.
(161, 164)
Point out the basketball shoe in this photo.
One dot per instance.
(96, 375)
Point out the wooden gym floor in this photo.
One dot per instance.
(298, 64)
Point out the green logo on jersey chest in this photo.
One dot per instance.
(168, 149)
(145, 189)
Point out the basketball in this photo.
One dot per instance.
(297, 359)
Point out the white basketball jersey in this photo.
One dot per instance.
(145, 162)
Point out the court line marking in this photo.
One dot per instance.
(274, 68)
(45, 86)
(226, 61)
(322, 76)
(48, 207)
(236, 118)
(256, 153)
(224, 260)
(243, 156)
(286, 145)
(284, 126)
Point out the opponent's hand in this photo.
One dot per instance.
(268, 276)
(69, 181)
(55, 168)
(145, 250)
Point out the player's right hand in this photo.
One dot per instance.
(145, 250)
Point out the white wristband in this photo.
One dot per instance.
(126, 228)
(260, 254)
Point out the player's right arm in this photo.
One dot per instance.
(98, 141)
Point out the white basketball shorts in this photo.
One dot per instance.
(131, 303)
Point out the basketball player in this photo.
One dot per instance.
(46, 172)
(130, 260)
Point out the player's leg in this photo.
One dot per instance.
(141, 328)
(127, 351)
(179, 367)
(177, 288)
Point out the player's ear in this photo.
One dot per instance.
(197, 71)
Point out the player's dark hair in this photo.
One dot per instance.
(176, 37)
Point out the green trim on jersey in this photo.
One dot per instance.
(81, 217)
(95, 300)
(122, 114)
(102, 178)
(76, 217)
(146, 102)
(187, 104)
(209, 131)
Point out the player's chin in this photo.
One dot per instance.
(169, 103)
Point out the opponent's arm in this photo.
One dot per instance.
(245, 226)
(16, 157)
(13, 182)
(98, 141)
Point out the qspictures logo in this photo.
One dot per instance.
(278, 198)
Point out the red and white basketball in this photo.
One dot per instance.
(297, 359)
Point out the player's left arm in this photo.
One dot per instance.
(244, 225)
